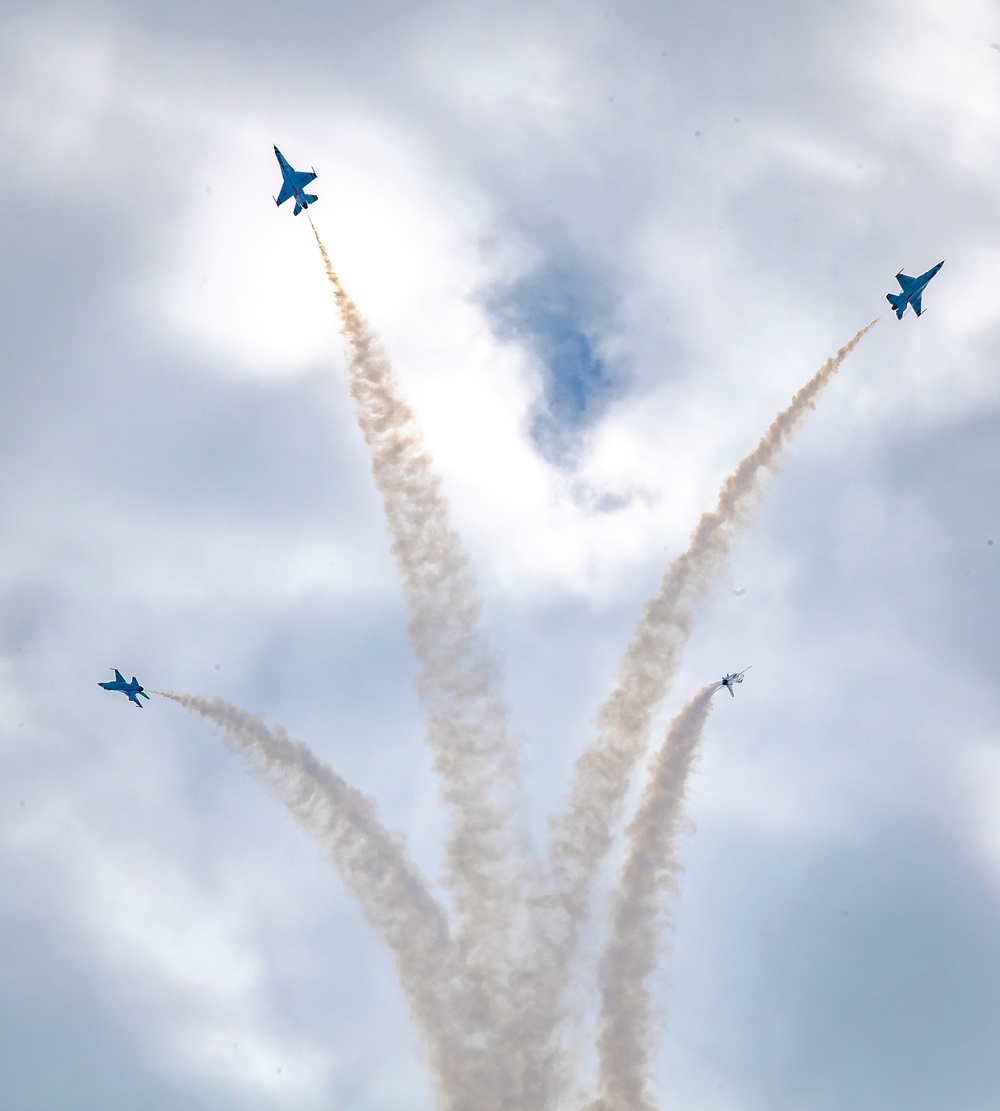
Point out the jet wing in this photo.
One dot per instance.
(119, 678)
(905, 281)
(915, 302)
(286, 192)
(303, 177)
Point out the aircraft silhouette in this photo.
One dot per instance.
(132, 690)
(292, 185)
(911, 290)
(727, 681)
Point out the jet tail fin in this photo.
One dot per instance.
(898, 303)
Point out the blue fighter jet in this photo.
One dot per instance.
(133, 690)
(293, 183)
(910, 291)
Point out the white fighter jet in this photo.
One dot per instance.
(727, 681)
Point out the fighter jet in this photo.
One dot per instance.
(133, 690)
(911, 289)
(293, 183)
(727, 681)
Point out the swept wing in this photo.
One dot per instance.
(906, 283)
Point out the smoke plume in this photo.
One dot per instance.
(475, 758)
(378, 872)
(489, 998)
(581, 835)
(627, 1038)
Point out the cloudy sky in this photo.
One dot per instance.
(604, 244)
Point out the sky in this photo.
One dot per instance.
(603, 245)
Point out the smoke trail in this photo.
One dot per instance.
(581, 835)
(378, 872)
(627, 1038)
(489, 861)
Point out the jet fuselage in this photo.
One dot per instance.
(910, 290)
(293, 183)
(130, 690)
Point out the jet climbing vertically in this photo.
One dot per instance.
(132, 690)
(293, 183)
(911, 289)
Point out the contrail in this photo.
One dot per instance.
(378, 872)
(490, 999)
(489, 861)
(627, 1037)
(581, 835)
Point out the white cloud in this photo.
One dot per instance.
(727, 268)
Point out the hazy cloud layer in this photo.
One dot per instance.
(716, 198)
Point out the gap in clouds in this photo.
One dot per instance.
(558, 317)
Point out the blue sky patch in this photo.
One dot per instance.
(558, 321)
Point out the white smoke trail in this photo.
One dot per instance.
(627, 1038)
(490, 865)
(378, 872)
(494, 1029)
(581, 835)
